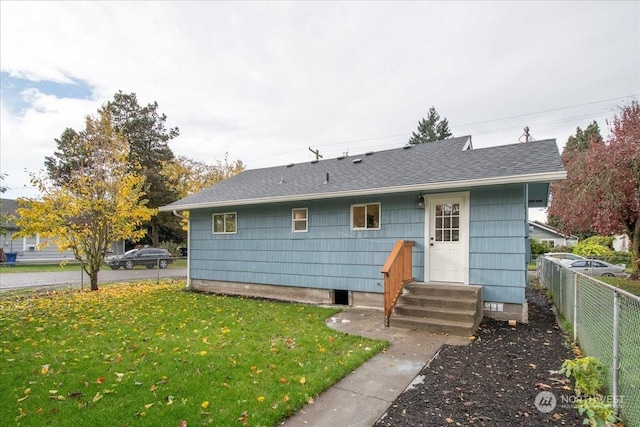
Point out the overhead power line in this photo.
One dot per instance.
(568, 119)
(547, 111)
(533, 125)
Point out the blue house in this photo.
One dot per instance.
(322, 231)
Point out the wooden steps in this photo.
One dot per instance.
(447, 308)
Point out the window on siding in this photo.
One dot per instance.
(299, 220)
(365, 217)
(549, 243)
(224, 223)
(31, 243)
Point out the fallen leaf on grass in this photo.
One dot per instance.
(97, 397)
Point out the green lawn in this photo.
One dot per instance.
(151, 355)
(631, 286)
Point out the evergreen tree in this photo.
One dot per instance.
(431, 129)
(144, 128)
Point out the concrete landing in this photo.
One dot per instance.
(363, 396)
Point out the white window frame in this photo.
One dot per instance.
(224, 222)
(295, 220)
(365, 205)
(549, 242)
(26, 246)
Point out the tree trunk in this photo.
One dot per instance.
(155, 232)
(93, 278)
(635, 252)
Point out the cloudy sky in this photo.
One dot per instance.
(264, 81)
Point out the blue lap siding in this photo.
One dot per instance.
(498, 243)
(330, 255)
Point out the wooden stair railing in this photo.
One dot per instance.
(397, 272)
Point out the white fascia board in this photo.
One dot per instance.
(551, 230)
(437, 186)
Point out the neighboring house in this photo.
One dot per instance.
(544, 233)
(33, 248)
(621, 243)
(321, 231)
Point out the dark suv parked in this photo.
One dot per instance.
(149, 257)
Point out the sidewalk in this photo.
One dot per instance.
(363, 396)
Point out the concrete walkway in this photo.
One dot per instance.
(363, 396)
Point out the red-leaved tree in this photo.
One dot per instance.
(602, 189)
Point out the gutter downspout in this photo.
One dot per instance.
(188, 247)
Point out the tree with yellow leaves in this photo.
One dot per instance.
(100, 203)
(185, 176)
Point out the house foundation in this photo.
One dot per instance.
(506, 312)
(289, 293)
(494, 310)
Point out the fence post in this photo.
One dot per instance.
(575, 308)
(616, 350)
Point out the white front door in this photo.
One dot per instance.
(448, 236)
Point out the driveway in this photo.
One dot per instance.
(9, 281)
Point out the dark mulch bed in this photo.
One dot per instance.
(494, 381)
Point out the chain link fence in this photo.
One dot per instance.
(53, 274)
(605, 322)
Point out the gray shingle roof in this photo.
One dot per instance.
(8, 207)
(435, 165)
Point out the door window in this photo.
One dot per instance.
(447, 227)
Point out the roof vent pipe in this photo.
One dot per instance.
(326, 180)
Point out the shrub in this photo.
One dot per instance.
(587, 373)
(537, 247)
(606, 241)
(587, 249)
(619, 258)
